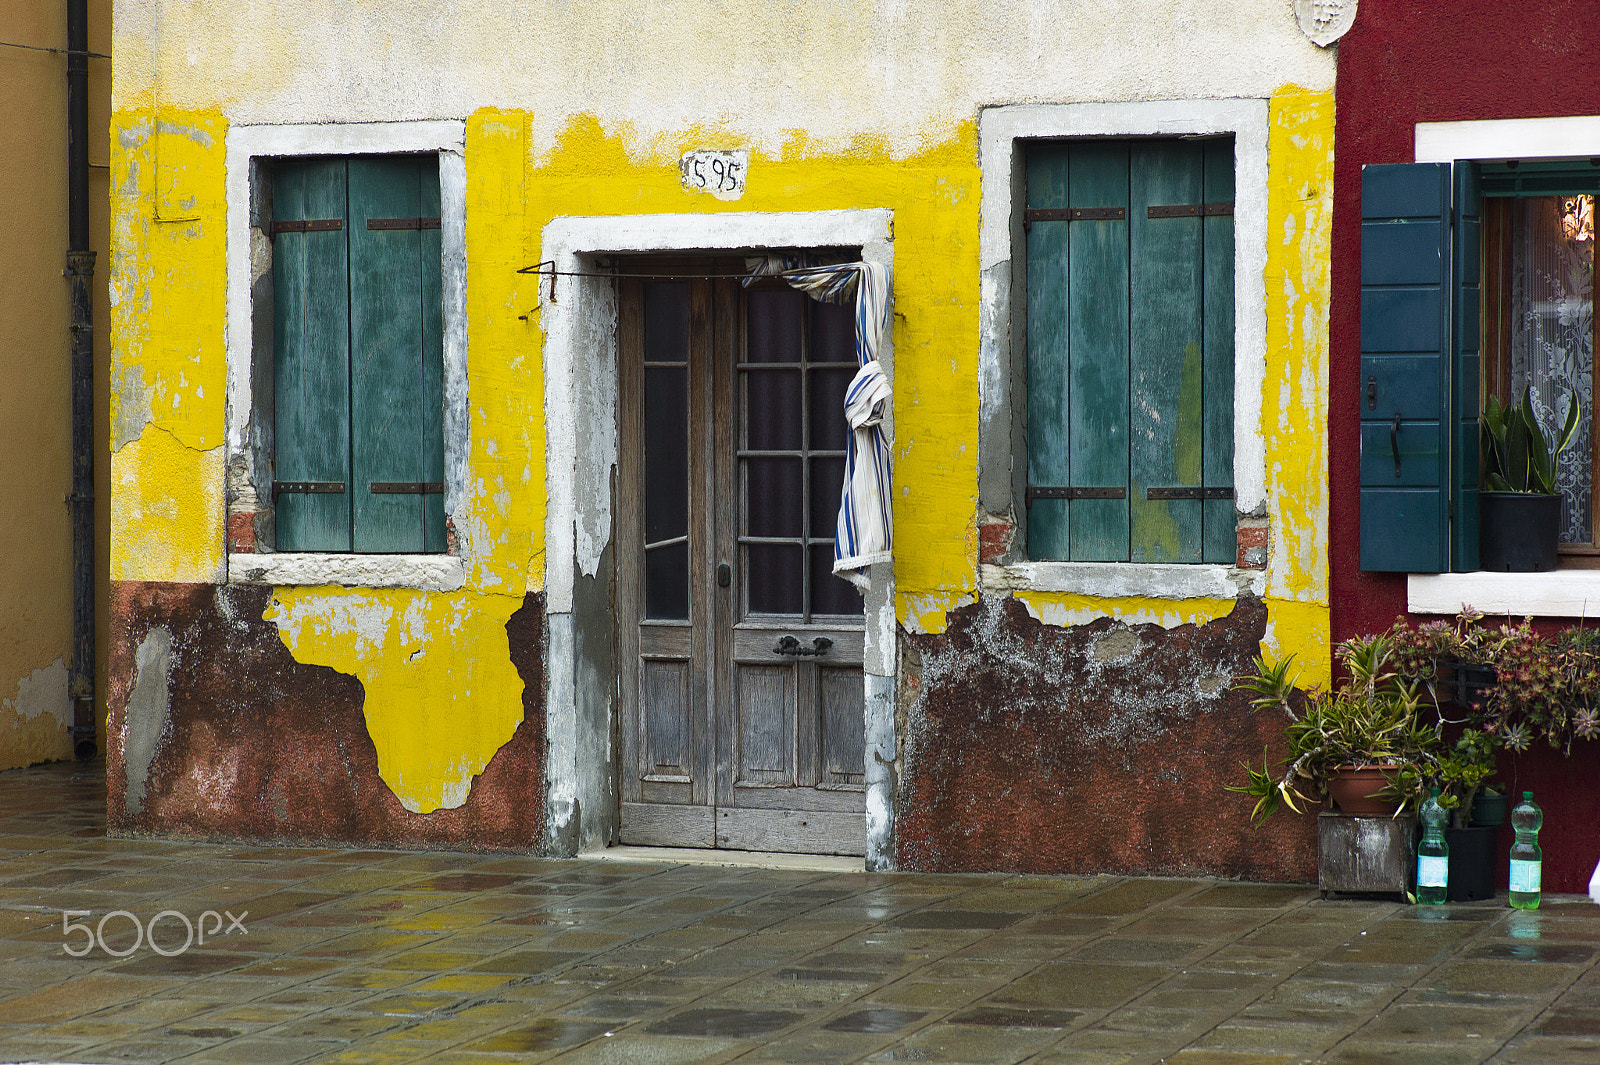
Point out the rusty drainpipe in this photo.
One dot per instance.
(80, 275)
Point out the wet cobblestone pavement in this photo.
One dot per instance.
(392, 956)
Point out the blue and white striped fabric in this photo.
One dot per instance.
(865, 531)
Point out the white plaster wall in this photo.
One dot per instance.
(748, 72)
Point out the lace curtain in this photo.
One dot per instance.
(1552, 335)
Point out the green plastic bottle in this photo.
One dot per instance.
(1433, 854)
(1526, 857)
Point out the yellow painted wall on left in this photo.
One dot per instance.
(36, 572)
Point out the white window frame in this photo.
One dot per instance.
(1560, 593)
(1003, 136)
(246, 146)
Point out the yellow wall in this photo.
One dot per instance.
(35, 402)
(441, 696)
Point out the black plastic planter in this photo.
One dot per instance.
(1472, 864)
(1517, 531)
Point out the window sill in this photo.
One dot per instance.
(1562, 593)
(432, 573)
(1120, 580)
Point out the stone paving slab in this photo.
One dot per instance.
(372, 956)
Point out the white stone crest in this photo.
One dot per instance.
(1324, 21)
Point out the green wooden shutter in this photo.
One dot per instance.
(359, 356)
(1166, 355)
(1130, 351)
(311, 333)
(1468, 333)
(1219, 520)
(1405, 367)
(389, 401)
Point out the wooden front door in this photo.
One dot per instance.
(742, 691)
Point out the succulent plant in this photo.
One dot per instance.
(1516, 455)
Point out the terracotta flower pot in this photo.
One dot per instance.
(1356, 790)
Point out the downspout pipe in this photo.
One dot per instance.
(80, 277)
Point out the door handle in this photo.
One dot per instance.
(1394, 442)
(789, 645)
(724, 575)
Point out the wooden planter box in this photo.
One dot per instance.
(1365, 854)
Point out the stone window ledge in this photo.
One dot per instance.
(431, 573)
(1115, 580)
(1562, 593)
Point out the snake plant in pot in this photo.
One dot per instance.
(1519, 509)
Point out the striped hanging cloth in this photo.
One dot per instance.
(864, 533)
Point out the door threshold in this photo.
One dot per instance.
(808, 863)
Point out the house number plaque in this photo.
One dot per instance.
(721, 174)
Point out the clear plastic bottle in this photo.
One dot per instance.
(1433, 853)
(1526, 857)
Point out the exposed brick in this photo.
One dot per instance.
(242, 532)
(1252, 541)
(994, 540)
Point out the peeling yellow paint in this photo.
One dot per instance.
(1301, 629)
(166, 510)
(167, 287)
(1295, 398)
(442, 695)
(501, 520)
(1063, 608)
(168, 274)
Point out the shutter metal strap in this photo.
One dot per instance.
(402, 223)
(307, 225)
(1190, 210)
(1074, 214)
(1188, 492)
(308, 487)
(1056, 492)
(406, 488)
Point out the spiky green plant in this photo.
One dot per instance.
(1515, 454)
(1369, 718)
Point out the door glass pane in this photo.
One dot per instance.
(827, 408)
(774, 497)
(666, 452)
(830, 594)
(776, 319)
(833, 332)
(666, 582)
(773, 399)
(827, 482)
(1552, 336)
(666, 321)
(775, 577)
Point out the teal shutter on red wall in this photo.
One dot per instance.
(358, 370)
(1130, 351)
(1419, 367)
(1405, 367)
(1465, 345)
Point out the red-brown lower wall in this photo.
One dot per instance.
(256, 745)
(1096, 748)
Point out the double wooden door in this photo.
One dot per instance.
(741, 652)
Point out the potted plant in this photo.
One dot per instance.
(1355, 744)
(1461, 773)
(1519, 510)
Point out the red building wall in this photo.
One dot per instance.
(1410, 61)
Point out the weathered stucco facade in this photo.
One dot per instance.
(471, 697)
(36, 636)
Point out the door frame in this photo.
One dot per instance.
(581, 435)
